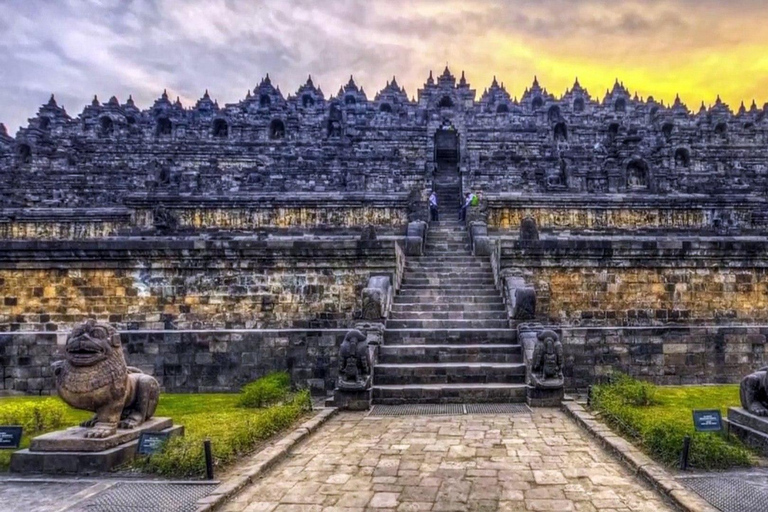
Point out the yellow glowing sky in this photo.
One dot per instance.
(697, 48)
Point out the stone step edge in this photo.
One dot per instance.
(254, 466)
(448, 365)
(454, 347)
(636, 461)
(496, 385)
(452, 329)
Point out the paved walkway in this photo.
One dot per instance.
(537, 462)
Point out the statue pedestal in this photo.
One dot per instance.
(544, 397)
(68, 452)
(353, 400)
(751, 429)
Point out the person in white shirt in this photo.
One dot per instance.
(433, 207)
(467, 202)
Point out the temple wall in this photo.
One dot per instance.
(188, 283)
(632, 296)
(185, 361)
(224, 360)
(643, 280)
(669, 356)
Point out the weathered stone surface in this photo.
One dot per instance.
(73, 439)
(527, 463)
(188, 283)
(190, 361)
(614, 212)
(79, 463)
(94, 377)
(750, 428)
(754, 393)
(377, 297)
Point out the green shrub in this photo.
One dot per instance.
(637, 410)
(232, 434)
(35, 417)
(265, 391)
(629, 391)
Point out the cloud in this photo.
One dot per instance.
(77, 48)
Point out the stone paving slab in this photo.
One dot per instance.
(37, 496)
(536, 462)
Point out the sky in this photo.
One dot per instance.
(78, 48)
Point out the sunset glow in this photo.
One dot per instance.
(698, 49)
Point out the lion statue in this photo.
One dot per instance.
(754, 392)
(94, 377)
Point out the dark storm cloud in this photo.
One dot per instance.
(77, 48)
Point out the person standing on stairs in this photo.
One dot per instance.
(434, 216)
(467, 203)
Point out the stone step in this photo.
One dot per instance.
(446, 226)
(448, 373)
(447, 324)
(447, 315)
(392, 354)
(448, 393)
(456, 259)
(451, 287)
(447, 273)
(432, 336)
(461, 248)
(422, 295)
(449, 267)
(437, 307)
(452, 237)
(468, 286)
(448, 300)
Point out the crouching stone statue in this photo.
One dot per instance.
(355, 366)
(94, 377)
(754, 392)
(547, 362)
(357, 356)
(750, 421)
(544, 362)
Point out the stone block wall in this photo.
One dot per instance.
(679, 213)
(632, 296)
(186, 361)
(668, 356)
(644, 280)
(197, 284)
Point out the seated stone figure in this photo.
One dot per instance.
(94, 377)
(754, 392)
(547, 361)
(355, 367)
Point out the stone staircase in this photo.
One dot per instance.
(447, 339)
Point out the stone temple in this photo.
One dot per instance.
(228, 241)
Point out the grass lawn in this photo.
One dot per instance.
(233, 429)
(658, 417)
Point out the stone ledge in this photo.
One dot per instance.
(637, 461)
(262, 461)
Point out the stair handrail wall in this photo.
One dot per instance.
(495, 257)
(400, 261)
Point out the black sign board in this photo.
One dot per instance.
(151, 442)
(707, 421)
(10, 437)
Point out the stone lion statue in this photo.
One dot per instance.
(94, 377)
(754, 392)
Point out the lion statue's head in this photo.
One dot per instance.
(90, 343)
